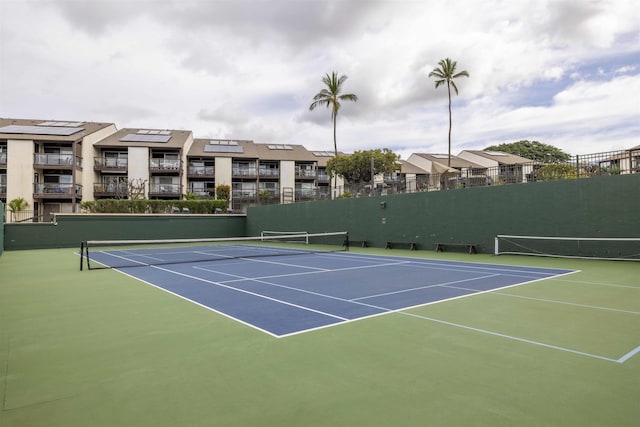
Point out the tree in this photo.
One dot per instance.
(446, 73)
(17, 205)
(356, 168)
(223, 192)
(532, 150)
(331, 97)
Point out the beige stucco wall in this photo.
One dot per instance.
(223, 171)
(287, 176)
(138, 161)
(20, 170)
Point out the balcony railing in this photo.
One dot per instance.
(54, 159)
(244, 194)
(244, 172)
(323, 177)
(202, 191)
(311, 194)
(305, 173)
(269, 172)
(101, 163)
(111, 190)
(57, 190)
(196, 171)
(164, 164)
(171, 190)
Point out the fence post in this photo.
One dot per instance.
(577, 166)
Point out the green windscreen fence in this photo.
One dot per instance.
(1, 227)
(597, 207)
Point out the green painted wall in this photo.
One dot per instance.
(73, 229)
(607, 206)
(1, 228)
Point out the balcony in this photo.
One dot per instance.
(164, 165)
(238, 172)
(165, 191)
(306, 174)
(102, 164)
(269, 173)
(307, 194)
(56, 191)
(323, 177)
(201, 171)
(3, 159)
(244, 194)
(56, 161)
(202, 190)
(111, 190)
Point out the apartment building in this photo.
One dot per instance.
(257, 173)
(150, 162)
(56, 165)
(503, 168)
(461, 172)
(45, 162)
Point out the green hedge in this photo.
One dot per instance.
(154, 206)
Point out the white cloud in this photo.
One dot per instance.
(249, 69)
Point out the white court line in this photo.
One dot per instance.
(629, 355)
(299, 273)
(612, 285)
(129, 259)
(222, 313)
(248, 292)
(429, 286)
(538, 343)
(455, 265)
(568, 303)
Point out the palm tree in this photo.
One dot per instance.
(445, 74)
(331, 97)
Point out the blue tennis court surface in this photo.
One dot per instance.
(290, 294)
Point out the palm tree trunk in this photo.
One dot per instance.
(335, 144)
(449, 91)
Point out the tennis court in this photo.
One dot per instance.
(284, 291)
(365, 337)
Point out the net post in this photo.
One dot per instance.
(81, 254)
(345, 243)
(86, 254)
(495, 245)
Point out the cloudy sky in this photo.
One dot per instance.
(562, 72)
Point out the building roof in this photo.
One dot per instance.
(456, 162)
(153, 138)
(501, 157)
(48, 130)
(246, 149)
(406, 167)
(235, 148)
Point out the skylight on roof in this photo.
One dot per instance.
(223, 148)
(144, 137)
(440, 156)
(223, 142)
(279, 147)
(323, 154)
(61, 124)
(496, 153)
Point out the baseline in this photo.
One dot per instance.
(524, 340)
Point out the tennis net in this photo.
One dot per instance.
(101, 254)
(613, 248)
